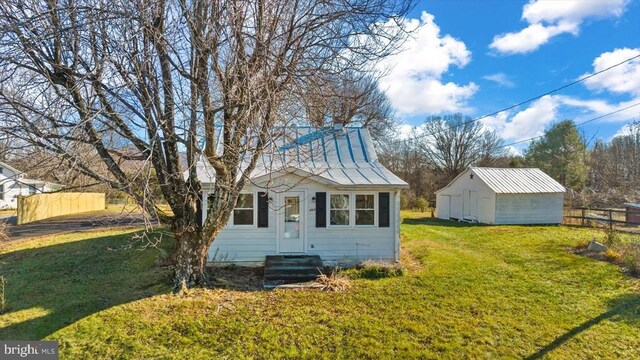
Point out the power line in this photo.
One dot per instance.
(539, 96)
(556, 89)
(577, 124)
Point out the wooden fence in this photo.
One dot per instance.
(43, 206)
(595, 217)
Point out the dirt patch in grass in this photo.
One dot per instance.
(409, 261)
(236, 277)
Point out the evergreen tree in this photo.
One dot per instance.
(562, 154)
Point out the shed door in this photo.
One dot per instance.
(470, 204)
(291, 235)
(445, 207)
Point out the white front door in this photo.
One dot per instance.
(292, 223)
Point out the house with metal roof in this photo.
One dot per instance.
(502, 196)
(315, 191)
(14, 183)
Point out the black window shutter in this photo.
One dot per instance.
(321, 209)
(199, 208)
(383, 209)
(263, 210)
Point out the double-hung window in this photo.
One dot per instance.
(365, 209)
(352, 209)
(339, 209)
(243, 214)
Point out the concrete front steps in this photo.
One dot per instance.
(290, 271)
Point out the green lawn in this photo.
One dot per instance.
(471, 292)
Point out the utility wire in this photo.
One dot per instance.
(540, 96)
(578, 124)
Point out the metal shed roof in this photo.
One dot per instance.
(514, 180)
(341, 157)
(518, 181)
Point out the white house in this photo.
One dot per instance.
(502, 196)
(316, 192)
(14, 183)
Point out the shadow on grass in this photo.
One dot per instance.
(437, 222)
(456, 224)
(50, 287)
(624, 308)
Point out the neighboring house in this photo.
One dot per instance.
(315, 192)
(14, 183)
(502, 196)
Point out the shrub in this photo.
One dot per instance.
(612, 238)
(422, 204)
(335, 281)
(612, 255)
(375, 270)
(3, 300)
(632, 262)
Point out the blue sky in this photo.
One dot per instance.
(478, 56)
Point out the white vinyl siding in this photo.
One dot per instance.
(529, 208)
(466, 197)
(339, 244)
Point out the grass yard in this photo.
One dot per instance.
(471, 292)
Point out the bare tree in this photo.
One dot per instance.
(405, 159)
(614, 169)
(349, 98)
(452, 143)
(98, 77)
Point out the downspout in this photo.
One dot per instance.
(396, 244)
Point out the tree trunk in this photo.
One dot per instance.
(190, 260)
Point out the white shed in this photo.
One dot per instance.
(502, 196)
(316, 192)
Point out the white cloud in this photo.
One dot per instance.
(405, 131)
(550, 18)
(623, 131)
(572, 10)
(527, 123)
(530, 38)
(413, 79)
(597, 107)
(622, 79)
(501, 79)
(533, 120)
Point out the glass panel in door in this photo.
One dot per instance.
(292, 217)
